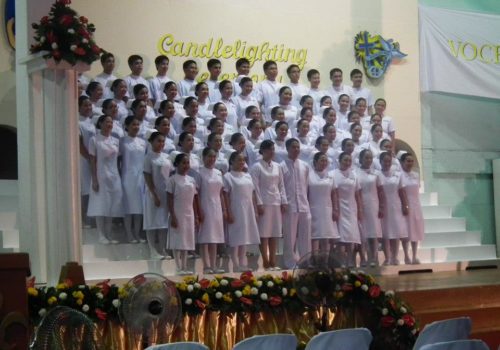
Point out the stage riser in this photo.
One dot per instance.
(436, 211)
(445, 239)
(428, 198)
(444, 225)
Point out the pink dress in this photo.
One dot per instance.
(370, 225)
(415, 219)
(347, 185)
(393, 222)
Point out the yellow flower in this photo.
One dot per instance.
(227, 298)
(32, 291)
(79, 301)
(189, 279)
(293, 292)
(182, 286)
(214, 283)
(247, 290)
(205, 298)
(52, 300)
(78, 295)
(357, 284)
(62, 286)
(218, 277)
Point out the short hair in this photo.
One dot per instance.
(159, 59)
(355, 71)
(188, 101)
(159, 120)
(249, 110)
(344, 143)
(283, 89)
(350, 114)
(223, 84)
(335, 70)
(105, 56)
(206, 151)
(91, 87)
(241, 61)
(290, 67)
(268, 64)
(132, 58)
(311, 72)
(135, 103)
(82, 99)
(360, 99)
(212, 62)
(187, 63)
(178, 158)
(289, 142)
(163, 105)
(279, 124)
(327, 111)
(138, 88)
(245, 80)
(265, 145)
(168, 85)
(188, 120)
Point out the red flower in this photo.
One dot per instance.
(66, 20)
(80, 51)
(139, 279)
(64, 2)
(200, 304)
(30, 282)
(56, 54)
(68, 282)
(347, 287)
(246, 301)
(409, 320)
(237, 283)
(204, 283)
(387, 321)
(96, 49)
(84, 33)
(51, 37)
(44, 20)
(247, 276)
(84, 19)
(275, 301)
(374, 291)
(105, 287)
(101, 314)
(284, 275)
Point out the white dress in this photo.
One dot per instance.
(270, 192)
(244, 230)
(87, 131)
(319, 191)
(133, 151)
(210, 184)
(159, 166)
(369, 181)
(347, 185)
(393, 222)
(415, 219)
(183, 188)
(108, 200)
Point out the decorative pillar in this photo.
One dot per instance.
(49, 152)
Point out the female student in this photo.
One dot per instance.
(267, 178)
(186, 145)
(410, 186)
(239, 194)
(171, 92)
(157, 168)
(95, 92)
(167, 110)
(139, 109)
(220, 111)
(133, 151)
(373, 207)
(182, 204)
(141, 92)
(119, 89)
(214, 141)
(344, 104)
(387, 122)
(212, 210)
(281, 131)
(253, 132)
(226, 91)
(244, 100)
(162, 125)
(201, 92)
(285, 102)
(376, 137)
(106, 196)
(350, 208)
(393, 222)
(323, 199)
(109, 107)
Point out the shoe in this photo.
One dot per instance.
(142, 241)
(180, 272)
(373, 264)
(189, 272)
(395, 262)
(103, 240)
(407, 261)
(276, 268)
(415, 262)
(114, 241)
(208, 271)
(134, 241)
(219, 270)
(386, 263)
(269, 268)
(155, 256)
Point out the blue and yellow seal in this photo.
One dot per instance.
(10, 22)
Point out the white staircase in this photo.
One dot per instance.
(9, 234)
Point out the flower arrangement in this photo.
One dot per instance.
(66, 35)
(391, 320)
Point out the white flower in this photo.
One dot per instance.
(63, 296)
(42, 39)
(99, 296)
(361, 272)
(190, 288)
(401, 322)
(81, 286)
(71, 31)
(72, 47)
(270, 284)
(254, 291)
(414, 331)
(238, 293)
(304, 290)
(116, 303)
(42, 312)
(258, 284)
(54, 46)
(385, 311)
(364, 287)
(263, 296)
(403, 310)
(224, 282)
(389, 293)
(218, 295)
(197, 285)
(284, 292)
(188, 301)
(85, 308)
(346, 278)
(84, 41)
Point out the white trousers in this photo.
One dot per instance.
(296, 237)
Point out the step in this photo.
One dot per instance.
(444, 225)
(450, 254)
(482, 316)
(9, 238)
(456, 238)
(429, 198)
(436, 211)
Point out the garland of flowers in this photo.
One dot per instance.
(394, 325)
(66, 35)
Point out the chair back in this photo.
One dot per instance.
(444, 331)
(268, 342)
(354, 338)
(458, 345)
(179, 346)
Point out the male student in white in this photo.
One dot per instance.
(107, 77)
(298, 89)
(337, 87)
(358, 91)
(267, 90)
(134, 78)
(157, 83)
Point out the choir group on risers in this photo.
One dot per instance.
(232, 164)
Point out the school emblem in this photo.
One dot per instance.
(10, 28)
(376, 53)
